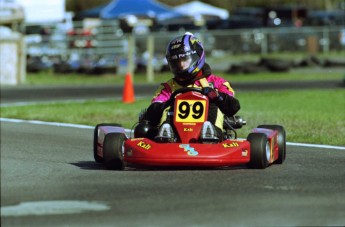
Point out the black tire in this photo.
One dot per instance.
(98, 158)
(112, 151)
(276, 65)
(258, 150)
(281, 140)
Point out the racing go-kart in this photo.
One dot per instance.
(265, 145)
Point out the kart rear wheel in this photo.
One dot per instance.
(260, 150)
(281, 140)
(113, 151)
(98, 158)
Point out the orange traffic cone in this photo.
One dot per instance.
(128, 90)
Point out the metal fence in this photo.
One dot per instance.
(106, 41)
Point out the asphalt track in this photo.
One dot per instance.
(49, 178)
(41, 163)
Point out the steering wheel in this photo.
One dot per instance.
(181, 91)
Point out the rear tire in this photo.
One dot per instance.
(259, 150)
(113, 151)
(98, 158)
(281, 141)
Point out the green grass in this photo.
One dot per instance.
(309, 116)
(49, 78)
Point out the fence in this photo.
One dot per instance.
(106, 40)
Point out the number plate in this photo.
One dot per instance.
(190, 111)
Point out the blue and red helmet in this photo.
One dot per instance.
(185, 48)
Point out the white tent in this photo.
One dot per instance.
(196, 8)
(43, 11)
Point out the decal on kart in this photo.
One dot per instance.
(134, 139)
(144, 145)
(245, 153)
(190, 150)
(191, 111)
(233, 144)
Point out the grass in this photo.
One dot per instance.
(309, 116)
(49, 78)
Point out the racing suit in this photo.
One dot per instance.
(225, 103)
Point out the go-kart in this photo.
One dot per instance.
(265, 145)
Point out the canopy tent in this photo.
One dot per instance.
(196, 8)
(150, 8)
(90, 13)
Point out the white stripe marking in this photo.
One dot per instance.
(34, 103)
(45, 123)
(35, 122)
(128, 131)
(52, 207)
(315, 145)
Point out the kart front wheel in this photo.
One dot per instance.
(260, 150)
(113, 151)
(281, 141)
(98, 158)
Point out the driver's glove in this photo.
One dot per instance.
(212, 94)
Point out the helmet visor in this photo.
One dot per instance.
(181, 63)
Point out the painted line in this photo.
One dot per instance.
(33, 103)
(52, 208)
(35, 122)
(130, 131)
(316, 145)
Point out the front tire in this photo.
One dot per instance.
(113, 151)
(259, 150)
(98, 158)
(281, 141)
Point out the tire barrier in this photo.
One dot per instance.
(282, 65)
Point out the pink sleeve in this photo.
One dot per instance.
(162, 97)
(222, 85)
(162, 94)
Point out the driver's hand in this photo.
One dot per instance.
(211, 93)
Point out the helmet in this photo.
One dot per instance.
(186, 57)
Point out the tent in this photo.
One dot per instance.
(90, 13)
(150, 8)
(196, 8)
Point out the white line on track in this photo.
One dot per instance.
(54, 102)
(128, 130)
(52, 208)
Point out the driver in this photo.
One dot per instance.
(186, 58)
